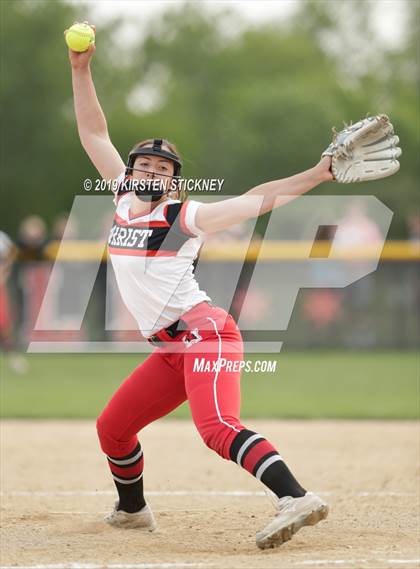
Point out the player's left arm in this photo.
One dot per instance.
(261, 199)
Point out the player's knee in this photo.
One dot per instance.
(113, 440)
(104, 430)
(100, 425)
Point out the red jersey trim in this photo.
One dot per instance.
(144, 253)
(151, 224)
(182, 220)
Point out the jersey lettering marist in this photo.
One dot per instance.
(153, 260)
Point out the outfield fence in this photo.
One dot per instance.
(378, 311)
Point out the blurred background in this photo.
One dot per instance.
(248, 91)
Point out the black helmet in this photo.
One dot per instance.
(146, 190)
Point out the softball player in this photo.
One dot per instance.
(153, 243)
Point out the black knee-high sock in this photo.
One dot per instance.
(127, 472)
(254, 453)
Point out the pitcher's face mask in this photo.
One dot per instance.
(151, 188)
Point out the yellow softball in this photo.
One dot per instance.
(79, 37)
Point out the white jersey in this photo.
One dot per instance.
(152, 256)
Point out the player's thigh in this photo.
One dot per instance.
(152, 390)
(212, 378)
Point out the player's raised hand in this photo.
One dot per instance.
(80, 60)
(323, 169)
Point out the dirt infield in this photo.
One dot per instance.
(56, 488)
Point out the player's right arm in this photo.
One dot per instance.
(91, 121)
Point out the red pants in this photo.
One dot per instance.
(167, 378)
(5, 313)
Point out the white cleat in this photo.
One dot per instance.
(143, 519)
(293, 513)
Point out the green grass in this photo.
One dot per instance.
(305, 385)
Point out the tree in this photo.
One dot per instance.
(248, 106)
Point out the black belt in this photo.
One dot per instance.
(173, 331)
